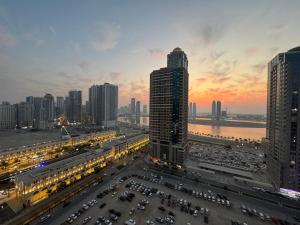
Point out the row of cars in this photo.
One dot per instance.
(76, 215)
(263, 216)
(218, 198)
(86, 206)
(166, 200)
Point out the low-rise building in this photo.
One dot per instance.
(36, 184)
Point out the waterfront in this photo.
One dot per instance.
(236, 132)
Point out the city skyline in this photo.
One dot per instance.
(228, 53)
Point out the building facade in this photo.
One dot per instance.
(7, 116)
(24, 114)
(213, 108)
(169, 110)
(103, 104)
(190, 109)
(145, 111)
(283, 120)
(194, 114)
(73, 106)
(132, 106)
(59, 109)
(138, 108)
(219, 109)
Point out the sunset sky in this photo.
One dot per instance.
(55, 46)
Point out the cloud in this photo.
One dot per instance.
(252, 51)
(279, 28)
(210, 34)
(202, 80)
(37, 42)
(105, 37)
(216, 55)
(64, 75)
(157, 53)
(221, 80)
(84, 65)
(114, 76)
(259, 68)
(6, 38)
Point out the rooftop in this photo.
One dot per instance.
(296, 49)
(42, 172)
(177, 49)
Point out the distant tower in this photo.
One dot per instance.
(49, 107)
(213, 108)
(145, 111)
(194, 110)
(74, 104)
(191, 110)
(132, 106)
(219, 109)
(138, 108)
(59, 105)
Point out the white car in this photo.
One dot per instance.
(130, 222)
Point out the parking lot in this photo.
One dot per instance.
(233, 156)
(134, 198)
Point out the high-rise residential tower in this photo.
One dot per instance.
(48, 103)
(73, 106)
(24, 114)
(190, 113)
(103, 104)
(213, 108)
(132, 106)
(169, 109)
(145, 111)
(7, 116)
(59, 106)
(194, 115)
(219, 109)
(138, 108)
(283, 120)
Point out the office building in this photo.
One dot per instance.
(219, 109)
(169, 110)
(7, 116)
(213, 108)
(103, 104)
(73, 106)
(283, 126)
(138, 108)
(132, 106)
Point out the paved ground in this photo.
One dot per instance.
(219, 215)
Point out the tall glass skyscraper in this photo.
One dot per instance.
(169, 109)
(283, 120)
